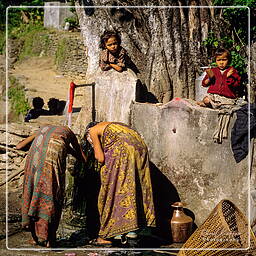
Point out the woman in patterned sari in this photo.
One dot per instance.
(44, 180)
(125, 201)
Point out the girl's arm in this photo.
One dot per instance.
(95, 133)
(120, 65)
(104, 63)
(25, 142)
(116, 67)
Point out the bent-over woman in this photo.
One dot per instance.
(125, 201)
(44, 180)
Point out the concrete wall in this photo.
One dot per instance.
(179, 138)
(114, 93)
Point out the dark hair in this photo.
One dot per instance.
(37, 102)
(88, 126)
(220, 51)
(106, 35)
(53, 106)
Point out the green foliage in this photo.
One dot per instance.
(238, 17)
(18, 17)
(16, 95)
(2, 42)
(73, 21)
(35, 39)
(25, 30)
(239, 62)
(62, 52)
(234, 32)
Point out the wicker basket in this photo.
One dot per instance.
(226, 227)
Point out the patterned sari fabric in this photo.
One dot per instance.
(125, 199)
(44, 180)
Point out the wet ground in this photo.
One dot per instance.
(71, 241)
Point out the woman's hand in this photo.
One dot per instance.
(99, 155)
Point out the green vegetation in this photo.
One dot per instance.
(238, 18)
(16, 95)
(2, 42)
(20, 20)
(237, 52)
(62, 52)
(35, 39)
(73, 21)
(234, 32)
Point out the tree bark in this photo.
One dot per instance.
(165, 43)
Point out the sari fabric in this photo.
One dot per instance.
(125, 200)
(44, 180)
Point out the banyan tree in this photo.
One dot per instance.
(168, 41)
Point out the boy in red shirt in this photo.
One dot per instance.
(222, 82)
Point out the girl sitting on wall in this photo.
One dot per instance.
(113, 55)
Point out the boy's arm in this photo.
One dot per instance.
(209, 77)
(116, 67)
(233, 79)
(119, 64)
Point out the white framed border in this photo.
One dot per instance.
(249, 159)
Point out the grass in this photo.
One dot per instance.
(2, 42)
(62, 51)
(17, 98)
(35, 40)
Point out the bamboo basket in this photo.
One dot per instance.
(225, 229)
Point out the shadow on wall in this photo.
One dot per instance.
(165, 194)
(143, 95)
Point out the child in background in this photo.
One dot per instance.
(37, 111)
(113, 55)
(222, 81)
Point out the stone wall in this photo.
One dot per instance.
(2, 89)
(70, 54)
(66, 48)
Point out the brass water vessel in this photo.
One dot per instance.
(181, 224)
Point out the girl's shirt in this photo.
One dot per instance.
(118, 58)
(223, 85)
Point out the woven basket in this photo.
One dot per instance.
(226, 227)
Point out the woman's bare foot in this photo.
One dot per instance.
(103, 241)
(31, 242)
(100, 242)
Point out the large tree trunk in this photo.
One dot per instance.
(164, 43)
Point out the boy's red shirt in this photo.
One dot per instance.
(223, 85)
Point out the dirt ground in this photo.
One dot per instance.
(40, 78)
